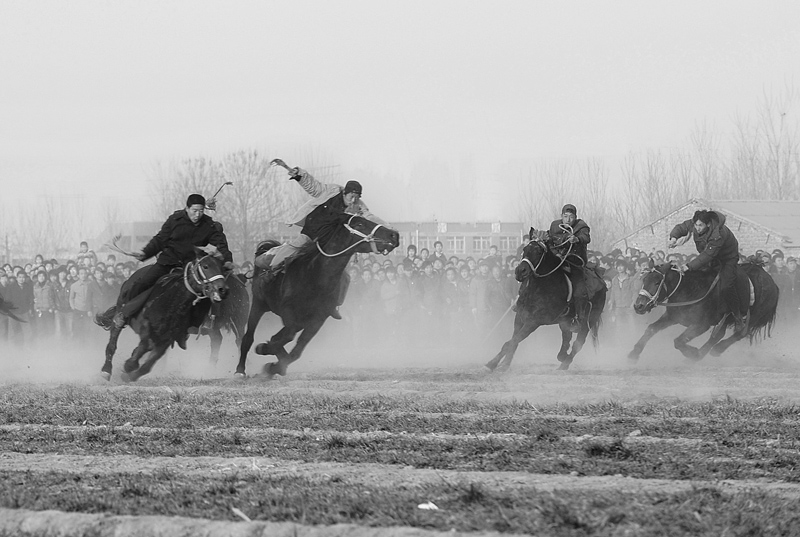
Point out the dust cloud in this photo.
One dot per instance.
(769, 368)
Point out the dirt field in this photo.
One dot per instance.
(357, 441)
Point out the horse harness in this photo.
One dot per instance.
(193, 273)
(653, 298)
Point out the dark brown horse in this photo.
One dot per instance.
(544, 300)
(309, 289)
(229, 315)
(177, 302)
(693, 300)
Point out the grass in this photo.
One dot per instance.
(732, 439)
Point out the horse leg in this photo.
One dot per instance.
(132, 363)
(111, 349)
(652, 329)
(716, 335)
(256, 312)
(682, 341)
(276, 347)
(157, 352)
(216, 342)
(723, 345)
(566, 337)
(506, 354)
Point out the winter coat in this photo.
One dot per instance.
(717, 245)
(175, 243)
(580, 229)
(321, 193)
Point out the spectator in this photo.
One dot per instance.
(83, 298)
(44, 303)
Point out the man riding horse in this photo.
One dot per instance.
(174, 244)
(718, 249)
(569, 236)
(319, 217)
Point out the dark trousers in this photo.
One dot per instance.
(137, 288)
(727, 285)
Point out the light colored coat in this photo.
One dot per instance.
(320, 193)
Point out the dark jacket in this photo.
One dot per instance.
(580, 229)
(717, 244)
(321, 223)
(175, 243)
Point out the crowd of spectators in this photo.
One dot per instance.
(425, 294)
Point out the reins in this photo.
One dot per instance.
(653, 298)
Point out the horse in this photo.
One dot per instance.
(308, 290)
(693, 300)
(544, 299)
(177, 301)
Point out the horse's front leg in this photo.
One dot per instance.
(682, 341)
(157, 352)
(305, 337)
(652, 329)
(111, 349)
(566, 337)
(503, 360)
(257, 310)
(275, 346)
(216, 342)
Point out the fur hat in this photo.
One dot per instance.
(195, 199)
(569, 208)
(352, 186)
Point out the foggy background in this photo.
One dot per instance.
(459, 111)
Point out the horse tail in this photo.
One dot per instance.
(765, 307)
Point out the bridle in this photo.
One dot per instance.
(365, 237)
(653, 298)
(535, 269)
(193, 273)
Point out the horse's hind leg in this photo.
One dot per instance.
(566, 337)
(132, 363)
(148, 364)
(257, 310)
(111, 349)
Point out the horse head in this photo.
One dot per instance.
(365, 236)
(532, 256)
(205, 276)
(655, 287)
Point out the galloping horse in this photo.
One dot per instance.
(543, 300)
(693, 300)
(305, 294)
(178, 300)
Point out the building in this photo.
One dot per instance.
(462, 239)
(757, 224)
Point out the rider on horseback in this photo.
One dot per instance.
(718, 248)
(319, 217)
(569, 236)
(174, 244)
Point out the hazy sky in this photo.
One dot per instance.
(93, 93)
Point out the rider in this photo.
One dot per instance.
(319, 217)
(571, 234)
(718, 248)
(174, 245)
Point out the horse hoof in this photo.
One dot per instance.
(490, 367)
(262, 349)
(564, 366)
(125, 377)
(105, 375)
(239, 376)
(715, 351)
(633, 356)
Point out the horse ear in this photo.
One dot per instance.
(650, 263)
(532, 233)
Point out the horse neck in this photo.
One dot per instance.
(693, 285)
